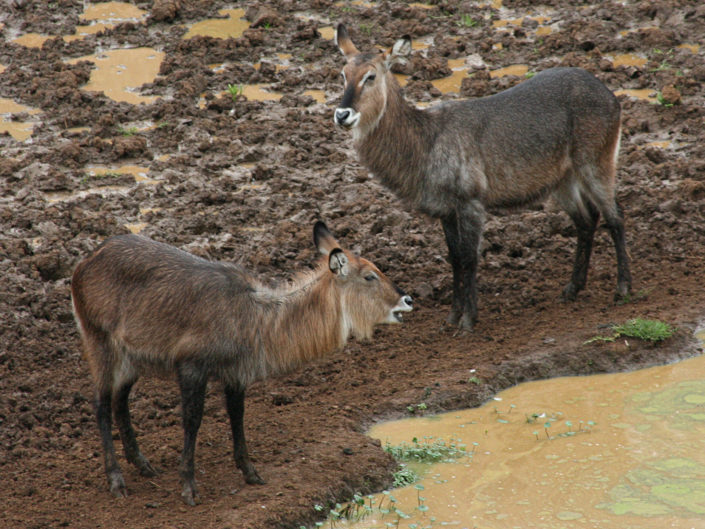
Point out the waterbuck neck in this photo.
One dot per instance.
(396, 149)
(301, 324)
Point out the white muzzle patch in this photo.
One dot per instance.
(405, 305)
(346, 117)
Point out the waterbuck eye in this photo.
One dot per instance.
(371, 277)
(370, 77)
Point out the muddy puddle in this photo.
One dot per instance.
(95, 174)
(119, 73)
(612, 451)
(20, 130)
(95, 18)
(233, 25)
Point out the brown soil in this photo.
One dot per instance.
(306, 430)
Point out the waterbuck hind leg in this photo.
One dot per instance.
(116, 482)
(585, 224)
(624, 277)
(470, 220)
(450, 228)
(193, 393)
(127, 433)
(235, 404)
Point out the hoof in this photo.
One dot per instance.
(570, 292)
(624, 292)
(253, 478)
(467, 323)
(117, 484)
(453, 319)
(145, 467)
(189, 495)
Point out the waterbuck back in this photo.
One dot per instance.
(556, 134)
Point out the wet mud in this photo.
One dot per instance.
(227, 176)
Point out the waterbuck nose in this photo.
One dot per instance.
(341, 115)
(407, 299)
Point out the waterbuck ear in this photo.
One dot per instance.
(342, 39)
(323, 238)
(399, 53)
(338, 263)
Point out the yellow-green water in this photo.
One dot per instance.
(622, 451)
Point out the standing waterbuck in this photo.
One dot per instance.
(145, 307)
(556, 134)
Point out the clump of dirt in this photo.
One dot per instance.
(243, 180)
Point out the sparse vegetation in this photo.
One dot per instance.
(662, 100)
(235, 90)
(404, 476)
(427, 451)
(127, 131)
(643, 329)
(467, 21)
(413, 408)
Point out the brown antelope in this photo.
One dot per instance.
(145, 307)
(556, 134)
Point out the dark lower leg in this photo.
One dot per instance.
(469, 230)
(624, 276)
(450, 228)
(585, 227)
(235, 404)
(193, 393)
(469, 267)
(127, 433)
(112, 468)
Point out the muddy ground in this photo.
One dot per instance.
(245, 180)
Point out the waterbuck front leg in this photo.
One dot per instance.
(462, 232)
(127, 433)
(192, 382)
(235, 404)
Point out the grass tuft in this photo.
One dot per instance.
(643, 329)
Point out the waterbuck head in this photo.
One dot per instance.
(367, 296)
(367, 79)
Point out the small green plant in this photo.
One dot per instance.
(99, 176)
(475, 380)
(127, 131)
(637, 296)
(235, 90)
(529, 75)
(648, 330)
(404, 476)
(413, 408)
(427, 451)
(467, 21)
(662, 100)
(366, 28)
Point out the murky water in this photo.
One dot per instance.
(221, 28)
(515, 69)
(628, 59)
(119, 73)
(645, 94)
(19, 130)
(622, 451)
(31, 40)
(105, 15)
